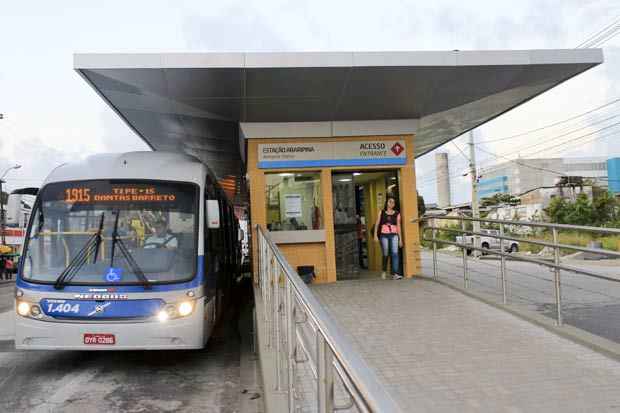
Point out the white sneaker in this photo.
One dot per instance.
(383, 275)
(397, 276)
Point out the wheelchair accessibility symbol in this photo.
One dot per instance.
(113, 274)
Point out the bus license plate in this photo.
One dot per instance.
(99, 339)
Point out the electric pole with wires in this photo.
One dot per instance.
(475, 207)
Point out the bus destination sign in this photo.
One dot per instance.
(114, 193)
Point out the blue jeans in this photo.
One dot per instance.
(389, 247)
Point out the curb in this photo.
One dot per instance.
(599, 344)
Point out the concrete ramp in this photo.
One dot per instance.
(437, 349)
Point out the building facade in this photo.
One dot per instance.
(613, 175)
(523, 175)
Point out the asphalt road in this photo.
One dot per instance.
(115, 381)
(587, 303)
(6, 296)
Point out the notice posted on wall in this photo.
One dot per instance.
(292, 205)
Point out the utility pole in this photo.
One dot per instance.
(475, 208)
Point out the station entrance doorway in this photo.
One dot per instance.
(358, 197)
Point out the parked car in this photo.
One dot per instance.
(489, 242)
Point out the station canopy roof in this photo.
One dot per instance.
(194, 102)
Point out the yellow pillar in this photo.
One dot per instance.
(409, 207)
(328, 224)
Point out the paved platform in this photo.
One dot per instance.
(439, 350)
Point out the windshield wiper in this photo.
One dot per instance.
(81, 257)
(128, 257)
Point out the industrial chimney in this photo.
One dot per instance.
(443, 180)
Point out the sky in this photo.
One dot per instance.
(52, 116)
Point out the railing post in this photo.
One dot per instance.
(465, 272)
(276, 322)
(265, 277)
(558, 288)
(291, 339)
(502, 262)
(269, 300)
(434, 233)
(325, 373)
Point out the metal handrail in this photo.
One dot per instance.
(556, 266)
(334, 352)
(600, 251)
(528, 224)
(527, 259)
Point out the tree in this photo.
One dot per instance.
(603, 210)
(4, 197)
(498, 199)
(581, 212)
(558, 210)
(421, 205)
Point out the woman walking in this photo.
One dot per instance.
(387, 232)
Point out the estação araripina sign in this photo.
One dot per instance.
(346, 153)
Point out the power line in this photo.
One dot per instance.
(429, 177)
(552, 124)
(461, 151)
(426, 179)
(521, 163)
(601, 36)
(560, 144)
(603, 136)
(538, 144)
(526, 147)
(598, 35)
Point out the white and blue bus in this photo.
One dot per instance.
(126, 251)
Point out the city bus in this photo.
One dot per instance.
(126, 251)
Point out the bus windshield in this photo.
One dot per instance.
(156, 223)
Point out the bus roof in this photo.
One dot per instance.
(166, 166)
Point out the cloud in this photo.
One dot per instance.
(55, 116)
(117, 136)
(235, 28)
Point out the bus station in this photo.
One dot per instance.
(306, 157)
(319, 140)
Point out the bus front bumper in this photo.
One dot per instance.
(181, 333)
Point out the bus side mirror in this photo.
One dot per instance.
(213, 214)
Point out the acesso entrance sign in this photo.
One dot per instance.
(348, 153)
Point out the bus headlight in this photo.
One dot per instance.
(35, 310)
(163, 316)
(173, 311)
(186, 308)
(169, 312)
(23, 308)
